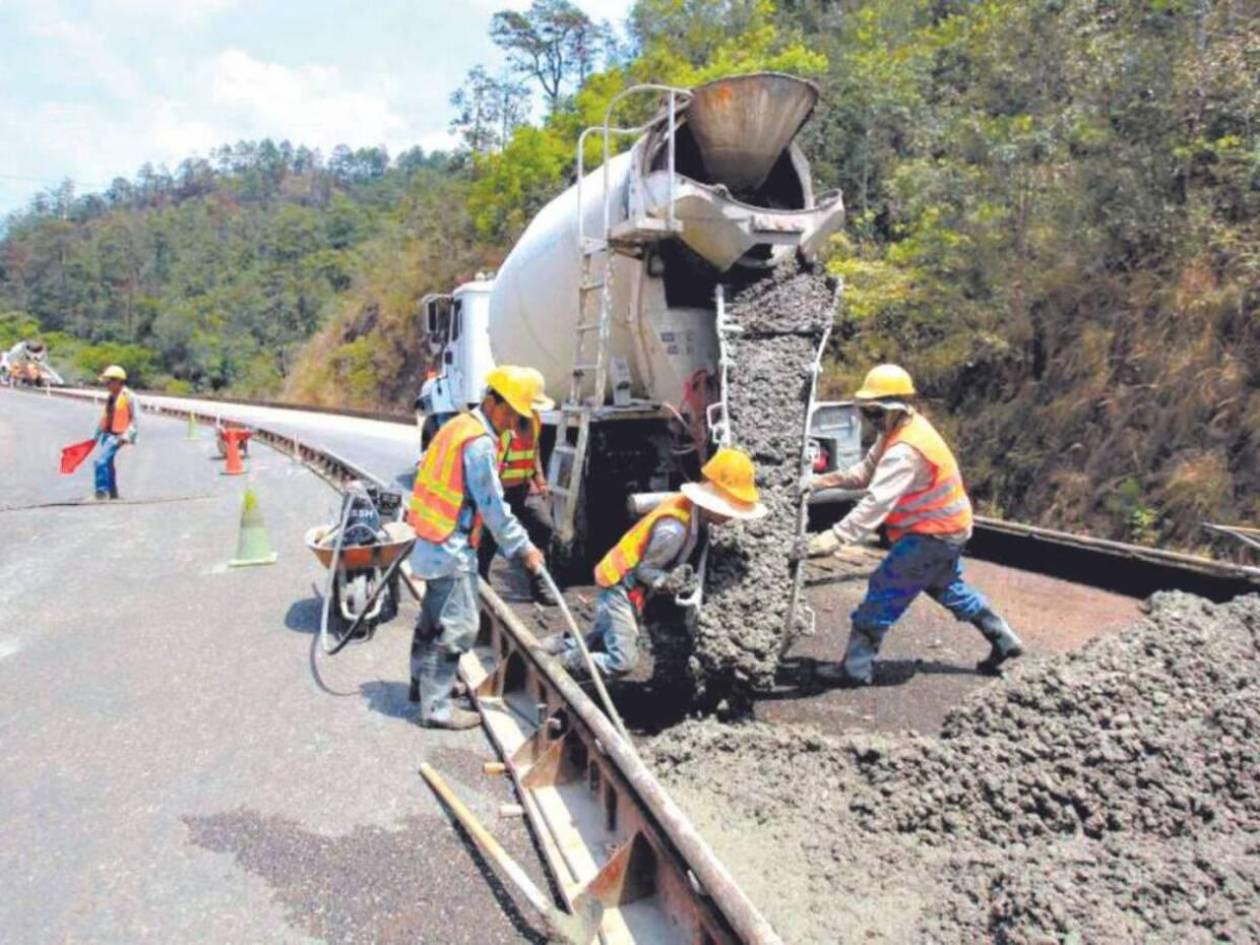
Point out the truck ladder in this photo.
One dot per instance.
(588, 384)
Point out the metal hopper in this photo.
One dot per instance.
(742, 124)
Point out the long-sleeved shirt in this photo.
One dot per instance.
(669, 545)
(483, 492)
(886, 476)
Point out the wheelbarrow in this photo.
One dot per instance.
(363, 556)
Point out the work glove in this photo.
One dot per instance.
(680, 582)
(822, 544)
(132, 435)
(807, 484)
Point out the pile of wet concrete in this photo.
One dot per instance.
(743, 627)
(1112, 795)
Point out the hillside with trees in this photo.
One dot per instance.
(1052, 223)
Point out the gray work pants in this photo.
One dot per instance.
(446, 628)
(614, 637)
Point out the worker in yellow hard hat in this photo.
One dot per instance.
(915, 491)
(661, 541)
(118, 427)
(525, 488)
(457, 491)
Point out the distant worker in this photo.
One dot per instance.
(118, 426)
(914, 489)
(525, 488)
(640, 562)
(457, 491)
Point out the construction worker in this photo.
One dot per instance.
(525, 488)
(457, 491)
(118, 426)
(657, 544)
(914, 489)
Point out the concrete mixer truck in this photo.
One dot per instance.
(615, 290)
(26, 363)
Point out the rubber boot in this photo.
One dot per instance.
(541, 593)
(858, 666)
(557, 643)
(437, 677)
(1004, 644)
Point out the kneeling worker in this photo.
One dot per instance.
(525, 489)
(642, 560)
(457, 491)
(913, 488)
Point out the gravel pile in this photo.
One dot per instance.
(1112, 795)
(740, 633)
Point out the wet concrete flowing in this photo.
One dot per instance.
(741, 631)
(1110, 795)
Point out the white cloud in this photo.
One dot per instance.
(185, 12)
(309, 103)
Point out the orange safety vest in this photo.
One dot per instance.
(518, 451)
(439, 494)
(627, 553)
(120, 422)
(942, 508)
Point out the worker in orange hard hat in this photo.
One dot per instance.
(118, 426)
(915, 491)
(642, 560)
(525, 488)
(457, 491)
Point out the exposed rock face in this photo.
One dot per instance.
(1112, 795)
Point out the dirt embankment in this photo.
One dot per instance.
(1112, 795)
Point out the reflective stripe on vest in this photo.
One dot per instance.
(518, 450)
(438, 495)
(627, 553)
(942, 508)
(118, 421)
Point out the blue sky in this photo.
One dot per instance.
(91, 90)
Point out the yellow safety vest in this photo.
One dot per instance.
(942, 507)
(518, 453)
(627, 553)
(439, 495)
(120, 421)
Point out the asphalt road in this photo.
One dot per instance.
(170, 769)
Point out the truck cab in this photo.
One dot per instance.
(835, 442)
(457, 334)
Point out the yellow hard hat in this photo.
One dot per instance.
(522, 388)
(113, 373)
(885, 380)
(730, 487)
(539, 399)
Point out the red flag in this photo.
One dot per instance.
(73, 456)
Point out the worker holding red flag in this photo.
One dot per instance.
(118, 427)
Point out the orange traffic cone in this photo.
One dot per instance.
(234, 465)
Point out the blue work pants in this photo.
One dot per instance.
(915, 564)
(614, 637)
(446, 628)
(106, 477)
